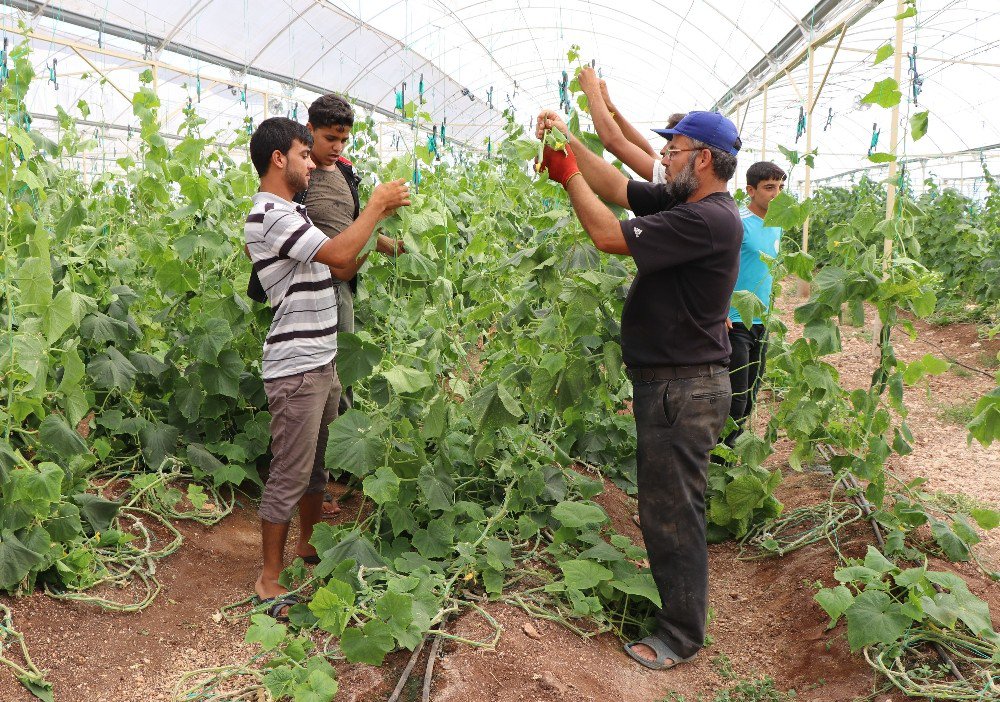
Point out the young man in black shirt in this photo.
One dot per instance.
(685, 241)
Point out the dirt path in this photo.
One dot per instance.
(765, 621)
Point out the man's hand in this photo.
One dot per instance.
(388, 196)
(560, 166)
(607, 97)
(546, 121)
(729, 323)
(389, 247)
(590, 84)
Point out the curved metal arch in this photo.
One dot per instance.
(617, 13)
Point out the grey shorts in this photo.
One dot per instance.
(302, 407)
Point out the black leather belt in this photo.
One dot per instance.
(657, 373)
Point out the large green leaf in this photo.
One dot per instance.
(581, 574)
(382, 485)
(368, 645)
(16, 560)
(111, 369)
(884, 93)
(208, 340)
(33, 279)
(404, 379)
(579, 514)
(59, 438)
(355, 444)
(158, 441)
(96, 511)
(356, 358)
(834, 601)
(66, 312)
(873, 618)
(492, 407)
(333, 606)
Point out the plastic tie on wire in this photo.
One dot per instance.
(489, 147)
(829, 120)
(401, 98)
(800, 127)
(489, 97)
(916, 80)
(197, 86)
(876, 132)
(444, 126)
(432, 141)
(564, 93)
(421, 88)
(4, 71)
(53, 75)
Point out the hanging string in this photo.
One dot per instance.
(829, 120)
(489, 97)
(444, 139)
(197, 85)
(800, 127)
(422, 101)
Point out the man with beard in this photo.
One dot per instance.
(295, 263)
(686, 245)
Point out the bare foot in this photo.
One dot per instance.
(270, 589)
(649, 654)
(331, 508)
(266, 589)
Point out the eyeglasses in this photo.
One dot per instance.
(669, 153)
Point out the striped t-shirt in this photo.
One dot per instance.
(283, 242)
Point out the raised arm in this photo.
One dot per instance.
(341, 252)
(630, 132)
(604, 179)
(598, 221)
(639, 158)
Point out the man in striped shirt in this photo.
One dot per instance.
(296, 264)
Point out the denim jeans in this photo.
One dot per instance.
(746, 370)
(678, 422)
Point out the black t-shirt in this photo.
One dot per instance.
(688, 256)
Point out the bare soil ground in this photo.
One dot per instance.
(765, 621)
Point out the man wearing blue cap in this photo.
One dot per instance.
(685, 241)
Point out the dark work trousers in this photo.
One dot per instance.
(678, 422)
(746, 369)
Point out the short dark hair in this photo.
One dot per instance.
(764, 170)
(673, 119)
(723, 163)
(275, 134)
(331, 110)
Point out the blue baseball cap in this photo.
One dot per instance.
(708, 127)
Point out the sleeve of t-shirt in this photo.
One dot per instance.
(667, 239)
(288, 235)
(647, 198)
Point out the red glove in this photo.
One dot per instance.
(560, 166)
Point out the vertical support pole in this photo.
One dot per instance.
(890, 199)
(763, 138)
(734, 116)
(267, 105)
(803, 287)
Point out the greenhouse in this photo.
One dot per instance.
(323, 376)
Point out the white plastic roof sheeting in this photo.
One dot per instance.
(658, 57)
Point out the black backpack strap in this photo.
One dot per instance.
(353, 180)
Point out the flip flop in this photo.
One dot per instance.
(662, 651)
(310, 560)
(635, 520)
(278, 603)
